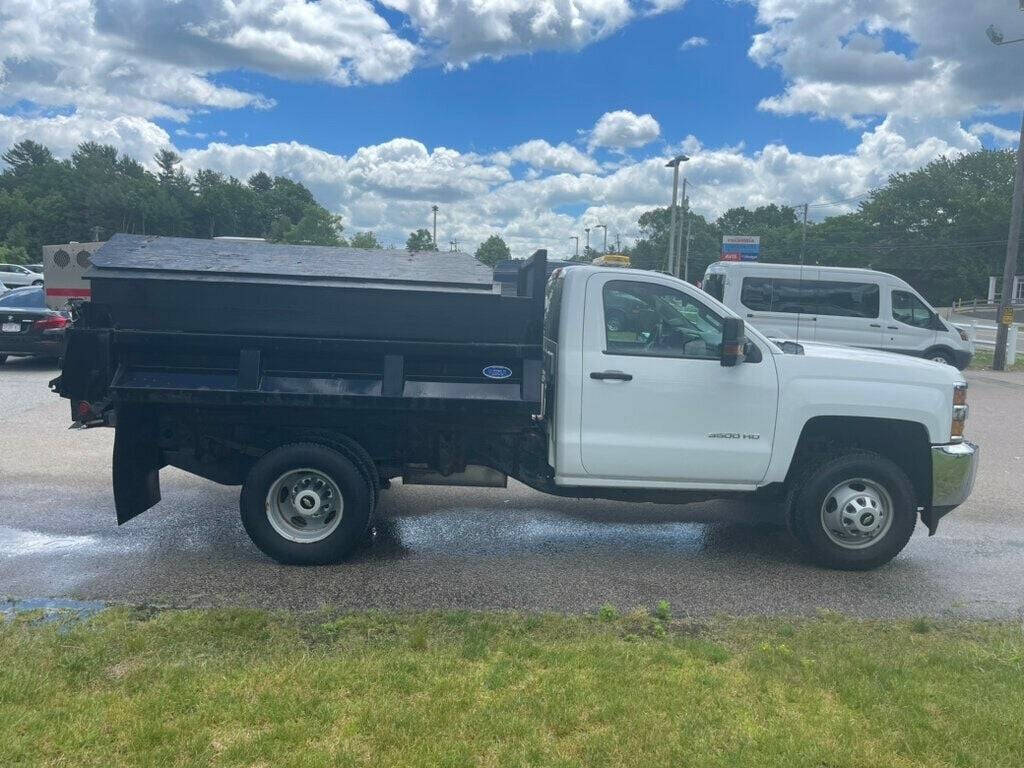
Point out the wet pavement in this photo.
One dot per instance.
(466, 548)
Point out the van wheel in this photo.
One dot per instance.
(853, 510)
(940, 356)
(306, 504)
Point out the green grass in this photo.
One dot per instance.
(982, 361)
(233, 688)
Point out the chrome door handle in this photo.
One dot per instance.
(611, 375)
(893, 327)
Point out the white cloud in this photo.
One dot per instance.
(1000, 135)
(622, 129)
(854, 59)
(62, 133)
(467, 30)
(541, 155)
(693, 42)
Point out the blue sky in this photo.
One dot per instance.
(528, 118)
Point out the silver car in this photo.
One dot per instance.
(15, 275)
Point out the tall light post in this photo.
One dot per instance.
(1005, 317)
(586, 251)
(577, 239)
(674, 163)
(434, 209)
(605, 228)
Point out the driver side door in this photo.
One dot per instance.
(658, 408)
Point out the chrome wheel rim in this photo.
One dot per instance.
(304, 505)
(856, 513)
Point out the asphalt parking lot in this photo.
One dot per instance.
(476, 549)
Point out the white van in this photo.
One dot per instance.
(837, 305)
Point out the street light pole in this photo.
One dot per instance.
(586, 251)
(577, 239)
(434, 209)
(605, 227)
(684, 217)
(674, 165)
(686, 258)
(1006, 318)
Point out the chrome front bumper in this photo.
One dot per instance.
(953, 470)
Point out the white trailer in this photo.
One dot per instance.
(63, 272)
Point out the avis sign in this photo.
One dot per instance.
(740, 248)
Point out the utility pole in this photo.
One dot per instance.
(434, 209)
(803, 237)
(1005, 319)
(674, 165)
(586, 252)
(618, 248)
(686, 258)
(577, 239)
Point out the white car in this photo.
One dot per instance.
(837, 305)
(15, 275)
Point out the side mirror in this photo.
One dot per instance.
(734, 341)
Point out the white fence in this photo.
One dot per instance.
(972, 329)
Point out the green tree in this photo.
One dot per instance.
(316, 227)
(492, 250)
(366, 240)
(420, 240)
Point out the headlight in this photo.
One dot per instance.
(956, 433)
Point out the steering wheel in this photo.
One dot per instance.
(661, 337)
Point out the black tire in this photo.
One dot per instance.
(940, 355)
(357, 495)
(808, 495)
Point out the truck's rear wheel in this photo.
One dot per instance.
(853, 510)
(306, 504)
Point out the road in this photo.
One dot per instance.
(483, 549)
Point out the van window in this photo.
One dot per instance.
(757, 294)
(776, 294)
(836, 297)
(909, 309)
(811, 297)
(714, 285)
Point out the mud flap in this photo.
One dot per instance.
(137, 463)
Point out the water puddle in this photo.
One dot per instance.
(50, 609)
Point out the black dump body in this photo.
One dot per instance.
(250, 322)
(206, 353)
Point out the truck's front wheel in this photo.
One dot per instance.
(853, 511)
(306, 504)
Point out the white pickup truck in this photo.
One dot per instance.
(595, 383)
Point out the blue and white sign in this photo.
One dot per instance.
(740, 248)
(497, 372)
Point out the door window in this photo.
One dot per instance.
(650, 319)
(714, 285)
(909, 309)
